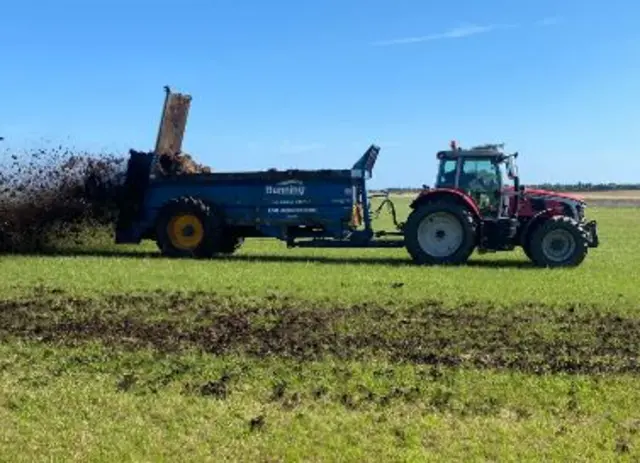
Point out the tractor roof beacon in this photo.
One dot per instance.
(478, 203)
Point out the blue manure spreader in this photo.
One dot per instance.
(205, 214)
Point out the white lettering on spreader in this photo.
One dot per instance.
(291, 210)
(286, 188)
(289, 202)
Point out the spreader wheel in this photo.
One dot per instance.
(187, 227)
(440, 233)
(559, 242)
(230, 242)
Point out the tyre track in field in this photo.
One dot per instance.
(525, 338)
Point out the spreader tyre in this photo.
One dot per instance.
(440, 233)
(230, 243)
(188, 227)
(558, 242)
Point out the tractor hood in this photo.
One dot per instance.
(539, 193)
(550, 194)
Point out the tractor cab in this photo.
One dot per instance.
(484, 172)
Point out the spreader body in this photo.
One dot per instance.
(290, 205)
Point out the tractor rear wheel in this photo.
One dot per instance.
(188, 227)
(558, 242)
(440, 233)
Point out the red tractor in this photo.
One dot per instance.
(478, 203)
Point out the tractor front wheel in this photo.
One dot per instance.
(526, 248)
(558, 242)
(440, 233)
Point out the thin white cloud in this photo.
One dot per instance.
(464, 31)
(455, 33)
(549, 21)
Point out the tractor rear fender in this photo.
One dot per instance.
(447, 194)
(533, 223)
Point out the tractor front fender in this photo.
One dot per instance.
(533, 222)
(446, 194)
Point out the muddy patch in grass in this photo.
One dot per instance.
(538, 340)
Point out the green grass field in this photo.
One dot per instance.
(112, 354)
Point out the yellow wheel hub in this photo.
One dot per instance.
(185, 232)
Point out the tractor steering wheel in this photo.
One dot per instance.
(484, 182)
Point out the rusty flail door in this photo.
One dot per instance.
(173, 123)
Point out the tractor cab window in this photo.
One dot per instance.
(447, 174)
(481, 178)
(480, 174)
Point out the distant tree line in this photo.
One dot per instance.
(588, 186)
(580, 186)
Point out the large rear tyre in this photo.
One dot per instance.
(558, 242)
(230, 242)
(440, 233)
(188, 227)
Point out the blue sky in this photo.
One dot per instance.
(310, 84)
